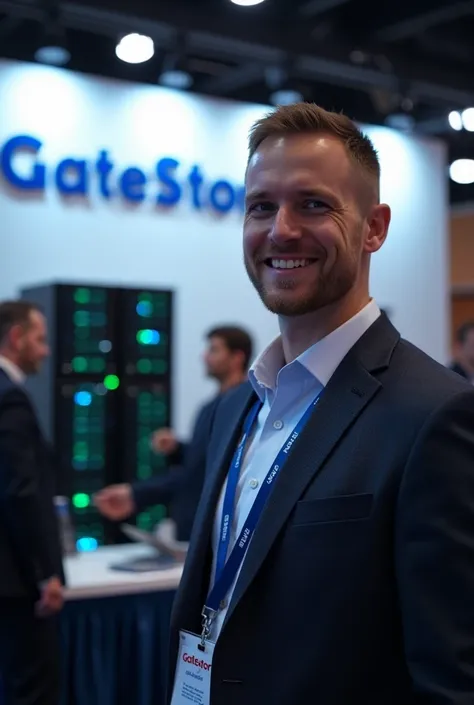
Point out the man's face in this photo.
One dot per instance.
(306, 222)
(31, 343)
(219, 360)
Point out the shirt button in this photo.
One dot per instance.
(253, 484)
(223, 604)
(278, 425)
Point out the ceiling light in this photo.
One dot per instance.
(455, 120)
(462, 171)
(53, 54)
(247, 3)
(400, 121)
(135, 48)
(52, 48)
(174, 78)
(286, 96)
(468, 119)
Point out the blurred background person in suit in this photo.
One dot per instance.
(226, 358)
(31, 574)
(463, 362)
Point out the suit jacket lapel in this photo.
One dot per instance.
(226, 432)
(349, 391)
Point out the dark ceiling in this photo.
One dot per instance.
(369, 59)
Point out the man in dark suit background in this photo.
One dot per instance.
(333, 548)
(227, 358)
(31, 574)
(463, 363)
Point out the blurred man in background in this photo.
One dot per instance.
(31, 574)
(227, 358)
(463, 362)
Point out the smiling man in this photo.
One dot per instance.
(333, 552)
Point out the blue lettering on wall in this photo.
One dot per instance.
(22, 143)
(71, 177)
(196, 180)
(167, 187)
(77, 176)
(132, 182)
(104, 167)
(165, 171)
(222, 196)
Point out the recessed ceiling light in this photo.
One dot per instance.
(135, 48)
(247, 3)
(174, 78)
(455, 120)
(286, 97)
(53, 54)
(462, 171)
(468, 119)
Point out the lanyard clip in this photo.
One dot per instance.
(208, 617)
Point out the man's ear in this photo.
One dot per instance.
(378, 221)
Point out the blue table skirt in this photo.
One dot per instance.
(115, 650)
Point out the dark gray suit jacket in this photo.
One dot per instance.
(30, 550)
(358, 585)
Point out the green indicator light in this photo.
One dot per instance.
(81, 318)
(148, 337)
(144, 366)
(159, 366)
(111, 382)
(79, 364)
(81, 500)
(97, 364)
(82, 296)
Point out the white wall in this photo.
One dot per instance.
(198, 254)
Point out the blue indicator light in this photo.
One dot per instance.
(145, 309)
(83, 398)
(86, 543)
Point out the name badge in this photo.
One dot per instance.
(192, 682)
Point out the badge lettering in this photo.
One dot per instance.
(199, 662)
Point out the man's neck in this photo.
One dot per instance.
(10, 365)
(298, 333)
(7, 355)
(232, 380)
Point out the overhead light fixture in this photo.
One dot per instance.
(174, 72)
(400, 121)
(281, 87)
(462, 171)
(52, 48)
(174, 78)
(53, 54)
(286, 96)
(247, 3)
(135, 48)
(468, 119)
(455, 120)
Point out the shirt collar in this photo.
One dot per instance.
(11, 370)
(321, 359)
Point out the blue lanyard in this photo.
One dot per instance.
(226, 570)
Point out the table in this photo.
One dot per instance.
(115, 629)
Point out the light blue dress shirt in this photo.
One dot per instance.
(286, 391)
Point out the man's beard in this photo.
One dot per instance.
(328, 289)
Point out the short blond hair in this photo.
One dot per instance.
(308, 118)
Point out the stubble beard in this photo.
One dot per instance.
(329, 288)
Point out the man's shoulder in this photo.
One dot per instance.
(9, 390)
(416, 374)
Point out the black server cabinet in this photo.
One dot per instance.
(145, 395)
(104, 389)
